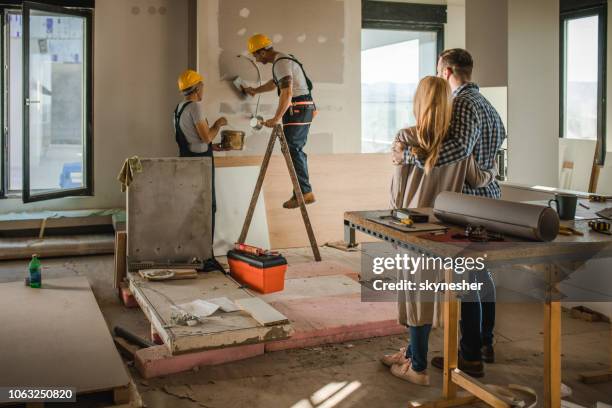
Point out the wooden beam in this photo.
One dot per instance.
(552, 354)
(451, 347)
(478, 389)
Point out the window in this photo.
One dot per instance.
(392, 63)
(47, 109)
(400, 43)
(583, 67)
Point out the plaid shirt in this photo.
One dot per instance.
(477, 129)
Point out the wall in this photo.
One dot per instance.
(486, 38)
(139, 50)
(533, 91)
(337, 128)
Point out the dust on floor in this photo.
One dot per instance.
(342, 375)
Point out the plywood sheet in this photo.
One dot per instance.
(218, 330)
(56, 337)
(169, 211)
(340, 182)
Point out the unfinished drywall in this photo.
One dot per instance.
(335, 72)
(140, 47)
(296, 26)
(533, 91)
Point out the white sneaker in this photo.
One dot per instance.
(407, 373)
(396, 358)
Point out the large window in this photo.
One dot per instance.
(392, 63)
(583, 67)
(47, 93)
(400, 43)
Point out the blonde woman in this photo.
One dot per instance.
(416, 187)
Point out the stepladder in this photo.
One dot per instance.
(277, 133)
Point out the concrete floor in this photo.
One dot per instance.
(343, 375)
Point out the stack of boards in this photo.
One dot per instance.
(168, 274)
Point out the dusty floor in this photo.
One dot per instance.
(343, 375)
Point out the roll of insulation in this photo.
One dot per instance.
(533, 222)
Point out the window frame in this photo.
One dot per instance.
(80, 8)
(381, 15)
(88, 188)
(601, 11)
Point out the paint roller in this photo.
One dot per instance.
(528, 221)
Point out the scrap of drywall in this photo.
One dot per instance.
(234, 187)
(311, 30)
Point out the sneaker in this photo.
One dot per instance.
(407, 373)
(397, 358)
(488, 354)
(309, 198)
(472, 368)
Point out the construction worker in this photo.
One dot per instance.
(193, 134)
(295, 110)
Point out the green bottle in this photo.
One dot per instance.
(35, 275)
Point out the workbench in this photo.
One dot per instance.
(546, 259)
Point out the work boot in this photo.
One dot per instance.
(309, 198)
(407, 373)
(472, 368)
(397, 358)
(488, 354)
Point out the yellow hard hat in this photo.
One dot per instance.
(258, 41)
(189, 79)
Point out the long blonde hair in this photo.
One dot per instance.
(432, 109)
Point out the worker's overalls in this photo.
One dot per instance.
(296, 124)
(184, 151)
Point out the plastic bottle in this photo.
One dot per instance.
(35, 272)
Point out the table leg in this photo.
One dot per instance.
(451, 347)
(349, 235)
(552, 343)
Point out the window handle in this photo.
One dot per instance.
(30, 102)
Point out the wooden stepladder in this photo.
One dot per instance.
(277, 132)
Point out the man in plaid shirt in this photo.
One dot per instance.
(476, 129)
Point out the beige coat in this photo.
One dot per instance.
(412, 188)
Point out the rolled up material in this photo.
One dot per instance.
(533, 222)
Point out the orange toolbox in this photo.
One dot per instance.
(264, 273)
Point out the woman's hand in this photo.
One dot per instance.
(222, 121)
(249, 91)
(397, 153)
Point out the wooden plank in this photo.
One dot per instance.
(462, 398)
(479, 390)
(120, 257)
(552, 354)
(333, 178)
(56, 336)
(219, 330)
(596, 377)
(451, 346)
(265, 314)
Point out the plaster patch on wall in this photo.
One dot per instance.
(313, 31)
(245, 12)
(242, 31)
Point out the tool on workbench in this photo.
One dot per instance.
(253, 250)
(563, 230)
(415, 216)
(277, 133)
(602, 227)
(599, 198)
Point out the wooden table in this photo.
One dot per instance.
(546, 258)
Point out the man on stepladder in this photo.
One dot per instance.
(296, 108)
